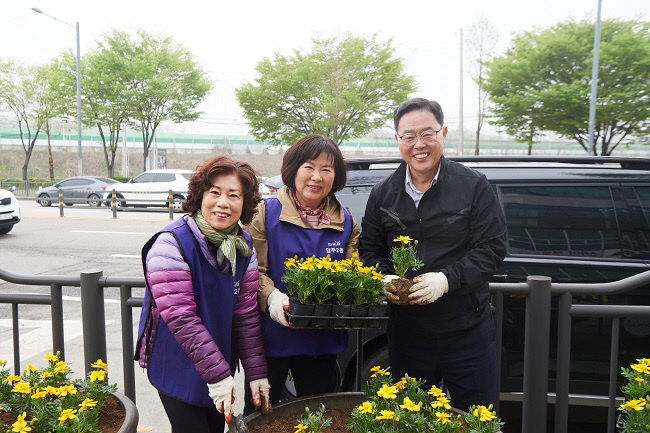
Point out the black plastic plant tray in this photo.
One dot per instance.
(336, 322)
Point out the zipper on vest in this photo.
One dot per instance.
(394, 216)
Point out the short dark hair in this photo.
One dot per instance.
(308, 148)
(201, 181)
(418, 104)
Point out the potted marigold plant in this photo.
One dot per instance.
(404, 407)
(635, 412)
(48, 400)
(327, 284)
(404, 257)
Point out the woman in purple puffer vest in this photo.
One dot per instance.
(202, 280)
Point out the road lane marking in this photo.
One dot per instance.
(128, 256)
(111, 233)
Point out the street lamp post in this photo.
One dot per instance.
(76, 27)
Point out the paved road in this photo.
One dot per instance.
(85, 239)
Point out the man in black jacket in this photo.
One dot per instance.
(446, 330)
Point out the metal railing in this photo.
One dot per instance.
(537, 290)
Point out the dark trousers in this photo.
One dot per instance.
(311, 375)
(187, 418)
(466, 363)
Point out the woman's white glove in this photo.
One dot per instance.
(277, 304)
(428, 288)
(260, 389)
(223, 395)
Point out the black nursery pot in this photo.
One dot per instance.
(340, 311)
(358, 311)
(376, 311)
(322, 310)
(298, 309)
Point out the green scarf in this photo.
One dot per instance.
(226, 240)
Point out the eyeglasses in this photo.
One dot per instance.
(427, 137)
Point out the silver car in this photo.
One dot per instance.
(78, 189)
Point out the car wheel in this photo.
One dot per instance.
(44, 200)
(178, 203)
(94, 200)
(6, 230)
(69, 204)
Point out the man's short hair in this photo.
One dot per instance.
(418, 104)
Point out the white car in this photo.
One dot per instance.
(151, 188)
(9, 211)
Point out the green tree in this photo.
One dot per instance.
(546, 74)
(343, 88)
(163, 81)
(22, 92)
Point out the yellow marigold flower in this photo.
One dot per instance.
(20, 425)
(99, 364)
(87, 403)
(300, 427)
(52, 390)
(366, 407)
(3, 362)
(442, 401)
(67, 414)
(97, 375)
(403, 239)
(60, 367)
(306, 266)
(50, 357)
(67, 389)
(33, 421)
(377, 276)
(355, 255)
(387, 391)
(443, 417)
(435, 391)
(365, 270)
(637, 405)
(46, 374)
(22, 387)
(387, 414)
(290, 262)
(645, 361)
(12, 379)
(638, 379)
(641, 368)
(409, 405)
(39, 394)
(484, 414)
(400, 385)
(357, 263)
(29, 367)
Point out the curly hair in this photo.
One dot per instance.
(308, 148)
(204, 174)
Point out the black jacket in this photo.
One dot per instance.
(461, 232)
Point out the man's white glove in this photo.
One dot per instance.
(223, 395)
(277, 304)
(388, 288)
(428, 288)
(260, 389)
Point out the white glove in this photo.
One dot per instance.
(390, 294)
(428, 288)
(223, 394)
(276, 303)
(260, 389)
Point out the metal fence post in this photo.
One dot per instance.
(92, 316)
(60, 202)
(56, 309)
(563, 363)
(170, 202)
(127, 342)
(114, 204)
(536, 352)
(16, 337)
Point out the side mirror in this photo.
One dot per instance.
(131, 181)
(57, 185)
(13, 188)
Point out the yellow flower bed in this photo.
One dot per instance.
(47, 400)
(636, 408)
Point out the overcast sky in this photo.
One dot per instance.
(229, 38)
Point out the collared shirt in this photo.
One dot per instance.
(410, 188)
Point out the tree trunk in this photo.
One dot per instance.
(530, 148)
(478, 135)
(50, 160)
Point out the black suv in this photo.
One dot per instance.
(575, 219)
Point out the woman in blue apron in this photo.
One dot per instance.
(304, 219)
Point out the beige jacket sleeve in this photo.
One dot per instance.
(353, 242)
(257, 229)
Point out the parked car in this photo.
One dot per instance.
(9, 211)
(76, 190)
(581, 220)
(151, 188)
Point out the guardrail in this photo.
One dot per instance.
(537, 289)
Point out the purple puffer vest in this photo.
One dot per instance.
(170, 370)
(289, 240)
